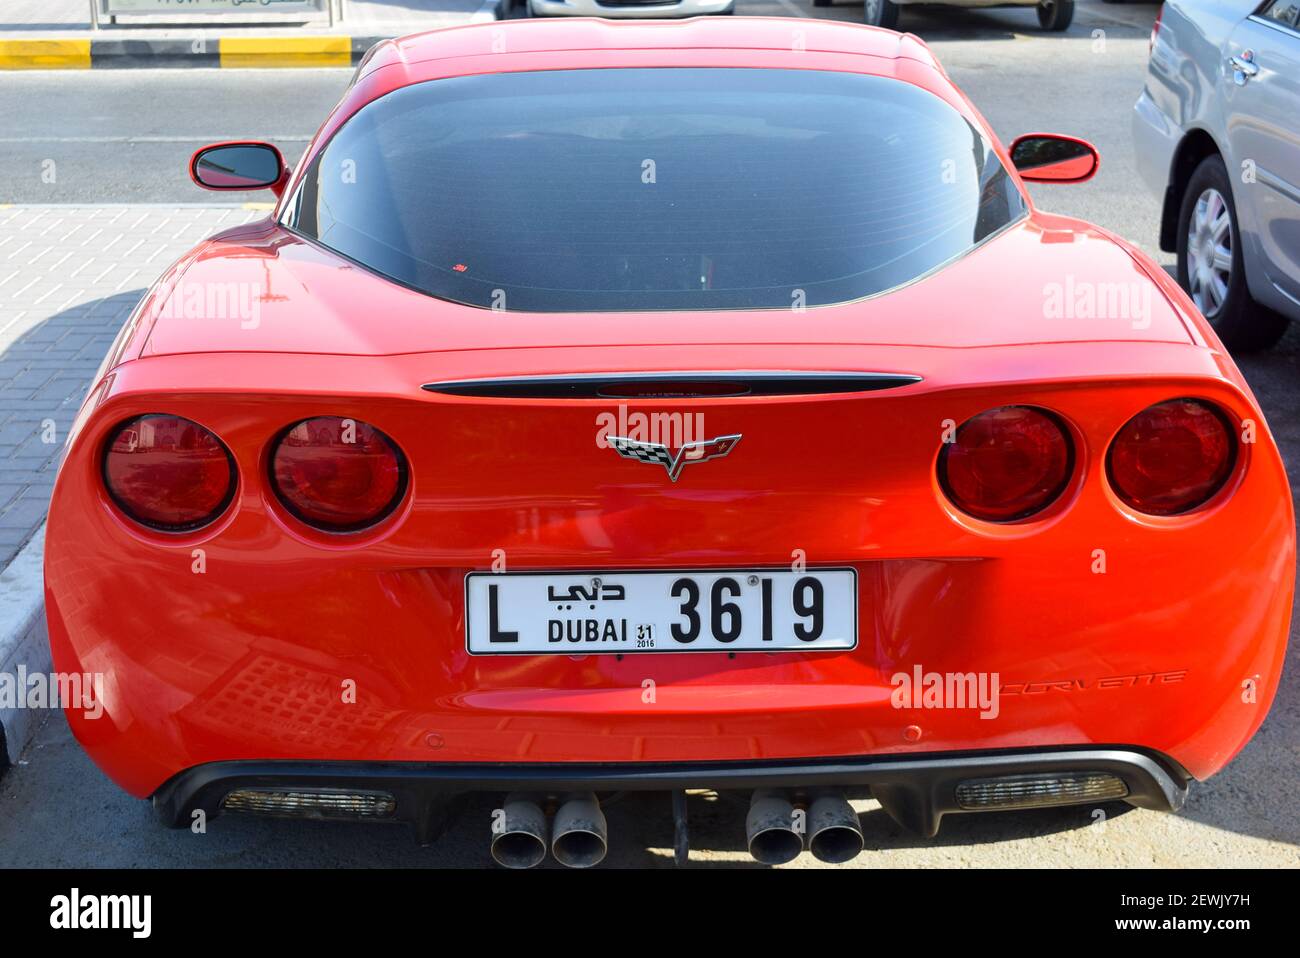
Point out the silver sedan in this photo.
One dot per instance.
(1217, 131)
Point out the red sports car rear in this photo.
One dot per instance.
(553, 439)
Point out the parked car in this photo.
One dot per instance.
(677, 467)
(1052, 14)
(1217, 131)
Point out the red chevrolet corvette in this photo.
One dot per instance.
(665, 406)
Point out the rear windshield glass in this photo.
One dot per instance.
(656, 189)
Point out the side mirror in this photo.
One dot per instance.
(239, 166)
(1054, 158)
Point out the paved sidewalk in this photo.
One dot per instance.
(69, 277)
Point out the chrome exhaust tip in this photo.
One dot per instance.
(834, 833)
(580, 833)
(518, 833)
(769, 829)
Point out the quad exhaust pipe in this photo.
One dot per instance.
(775, 829)
(578, 838)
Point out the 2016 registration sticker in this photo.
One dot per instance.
(580, 613)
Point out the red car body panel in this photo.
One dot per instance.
(246, 659)
(341, 301)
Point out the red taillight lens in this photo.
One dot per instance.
(1006, 464)
(1171, 457)
(168, 473)
(1155, 29)
(338, 474)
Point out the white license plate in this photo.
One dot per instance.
(583, 613)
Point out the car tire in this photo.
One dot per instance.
(1055, 15)
(822, 3)
(880, 13)
(517, 10)
(1207, 230)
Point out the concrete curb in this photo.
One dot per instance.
(23, 639)
(231, 51)
(205, 52)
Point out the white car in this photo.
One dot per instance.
(1052, 14)
(1217, 131)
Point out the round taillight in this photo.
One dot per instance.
(1171, 457)
(337, 474)
(168, 473)
(1006, 463)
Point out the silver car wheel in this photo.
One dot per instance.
(873, 11)
(1209, 252)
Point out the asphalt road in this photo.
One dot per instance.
(125, 137)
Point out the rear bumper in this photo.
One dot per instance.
(916, 791)
(251, 660)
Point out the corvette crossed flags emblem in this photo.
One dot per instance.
(655, 452)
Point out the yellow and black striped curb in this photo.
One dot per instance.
(227, 51)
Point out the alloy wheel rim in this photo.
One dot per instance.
(1209, 252)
